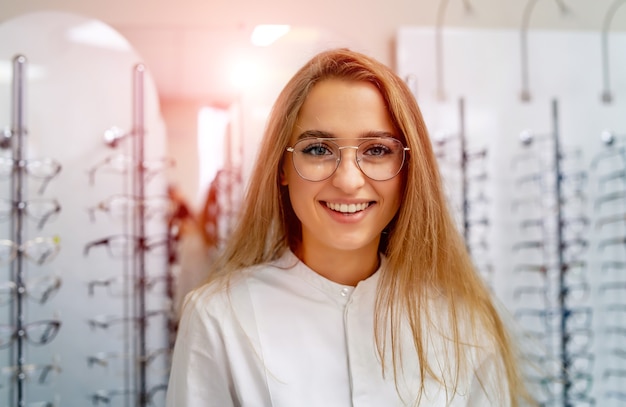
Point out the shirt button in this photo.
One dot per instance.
(344, 292)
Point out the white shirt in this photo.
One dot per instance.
(288, 337)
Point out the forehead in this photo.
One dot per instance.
(344, 108)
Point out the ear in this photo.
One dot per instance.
(283, 177)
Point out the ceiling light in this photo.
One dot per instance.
(266, 34)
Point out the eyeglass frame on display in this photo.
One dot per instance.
(24, 164)
(23, 206)
(51, 289)
(23, 249)
(52, 329)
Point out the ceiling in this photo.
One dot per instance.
(198, 64)
(192, 46)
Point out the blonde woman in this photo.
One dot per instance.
(346, 282)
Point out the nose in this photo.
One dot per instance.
(348, 177)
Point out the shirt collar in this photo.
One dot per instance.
(339, 292)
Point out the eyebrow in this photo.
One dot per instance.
(325, 134)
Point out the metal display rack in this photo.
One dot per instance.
(40, 250)
(551, 268)
(137, 390)
(608, 169)
(465, 172)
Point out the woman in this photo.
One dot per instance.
(346, 282)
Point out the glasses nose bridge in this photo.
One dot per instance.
(356, 154)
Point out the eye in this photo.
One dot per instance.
(377, 150)
(316, 149)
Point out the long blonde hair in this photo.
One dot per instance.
(422, 244)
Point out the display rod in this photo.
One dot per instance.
(18, 132)
(559, 244)
(139, 227)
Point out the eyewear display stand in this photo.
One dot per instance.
(21, 331)
(465, 172)
(76, 90)
(608, 169)
(135, 245)
(551, 268)
(139, 231)
(18, 132)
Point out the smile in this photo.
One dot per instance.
(347, 208)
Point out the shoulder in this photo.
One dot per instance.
(220, 297)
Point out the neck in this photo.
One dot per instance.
(342, 267)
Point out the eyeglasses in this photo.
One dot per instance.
(614, 373)
(45, 169)
(152, 359)
(40, 210)
(574, 318)
(124, 286)
(40, 250)
(117, 325)
(122, 206)
(122, 164)
(39, 289)
(611, 241)
(379, 158)
(41, 404)
(574, 293)
(614, 394)
(579, 386)
(36, 333)
(43, 373)
(579, 245)
(122, 246)
(609, 197)
(153, 397)
(576, 224)
(612, 265)
(615, 330)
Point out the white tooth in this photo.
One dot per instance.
(347, 208)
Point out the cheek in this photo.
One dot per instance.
(396, 189)
(394, 194)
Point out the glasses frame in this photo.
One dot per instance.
(152, 206)
(15, 249)
(332, 140)
(130, 244)
(51, 283)
(52, 329)
(23, 207)
(28, 167)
